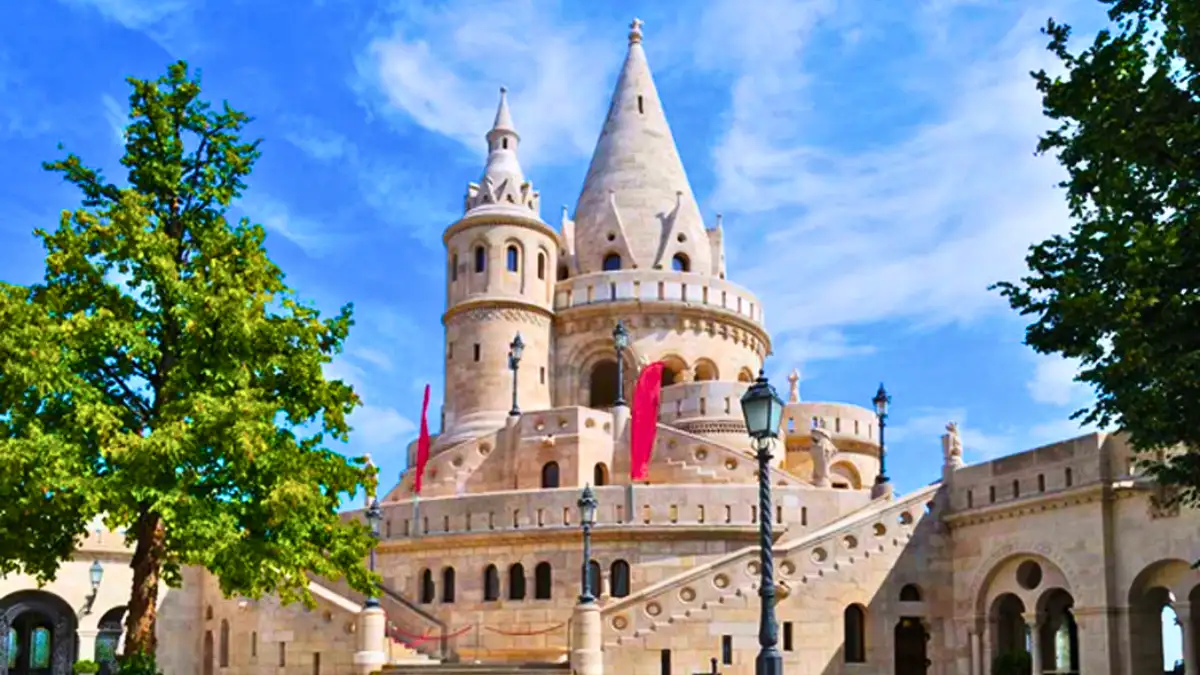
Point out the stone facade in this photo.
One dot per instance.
(1065, 548)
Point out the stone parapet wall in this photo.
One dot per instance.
(649, 286)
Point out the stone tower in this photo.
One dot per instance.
(500, 282)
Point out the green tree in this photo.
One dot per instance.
(1121, 291)
(164, 377)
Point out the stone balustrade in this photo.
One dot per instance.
(653, 286)
(798, 561)
(843, 421)
(733, 505)
(702, 400)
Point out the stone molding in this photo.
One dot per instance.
(596, 319)
(1037, 504)
(529, 221)
(503, 310)
(538, 536)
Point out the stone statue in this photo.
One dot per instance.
(952, 442)
(794, 386)
(823, 451)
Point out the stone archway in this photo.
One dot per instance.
(602, 384)
(1161, 585)
(42, 628)
(108, 639)
(911, 646)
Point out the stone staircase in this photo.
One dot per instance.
(477, 669)
(709, 461)
(881, 528)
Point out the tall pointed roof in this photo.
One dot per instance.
(636, 200)
(503, 185)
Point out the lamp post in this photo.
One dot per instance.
(374, 516)
(762, 409)
(881, 402)
(515, 349)
(587, 518)
(620, 341)
(95, 576)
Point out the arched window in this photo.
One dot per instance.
(563, 272)
(602, 385)
(207, 658)
(680, 263)
(669, 377)
(427, 588)
(612, 262)
(594, 578)
(491, 583)
(600, 474)
(516, 582)
(454, 267)
(618, 581)
(854, 622)
(541, 269)
(448, 584)
(512, 257)
(550, 475)
(480, 259)
(108, 637)
(39, 648)
(224, 650)
(910, 593)
(542, 581)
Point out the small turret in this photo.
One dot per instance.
(503, 184)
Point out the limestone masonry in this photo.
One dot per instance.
(1065, 550)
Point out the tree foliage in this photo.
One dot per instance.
(163, 376)
(1121, 291)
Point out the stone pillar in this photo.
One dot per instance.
(87, 643)
(1183, 616)
(587, 656)
(1035, 642)
(989, 641)
(976, 665)
(372, 641)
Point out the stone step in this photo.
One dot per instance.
(477, 669)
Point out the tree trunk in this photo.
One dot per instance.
(147, 570)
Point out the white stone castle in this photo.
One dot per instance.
(1062, 554)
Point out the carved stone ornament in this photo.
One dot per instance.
(1164, 502)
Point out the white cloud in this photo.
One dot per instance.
(276, 217)
(927, 426)
(117, 117)
(441, 68)
(1053, 381)
(376, 427)
(135, 14)
(913, 228)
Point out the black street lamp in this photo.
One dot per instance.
(96, 575)
(514, 361)
(620, 341)
(587, 518)
(374, 516)
(881, 402)
(763, 411)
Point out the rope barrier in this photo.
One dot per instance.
(525, 633)
(413, 640)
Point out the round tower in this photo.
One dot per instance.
(500, 281)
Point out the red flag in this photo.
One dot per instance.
(644, 425)
(422, 444)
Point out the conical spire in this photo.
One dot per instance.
(503, 183)
(636, 201)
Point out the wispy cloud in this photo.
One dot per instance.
(911, 227)
(274, 215)
(117, 117)
(1053, 382)
(439, 67)
(925, 428)
(166, 22)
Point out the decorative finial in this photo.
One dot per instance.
(503, 90)
(794, 386)
(635, 31)
(720, 218)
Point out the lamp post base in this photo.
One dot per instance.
(587, 655)
(769, 662)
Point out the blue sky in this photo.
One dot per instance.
(873, 162)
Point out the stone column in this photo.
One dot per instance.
(976, 665)
(1035, 642)
(87, 643)
(587, 656)
(988, 638)
(372, 641)
(1183, 616)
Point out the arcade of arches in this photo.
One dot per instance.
(602, 378)
(40, 634)
(1030, 613)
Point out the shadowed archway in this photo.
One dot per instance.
(39, 634)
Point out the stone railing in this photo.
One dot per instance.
(702, 400)
(733, 505)
(649, 286)
(733, 465)
(843, 421)
(858, 536)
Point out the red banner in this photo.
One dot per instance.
(422, 444)
(644, 425)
